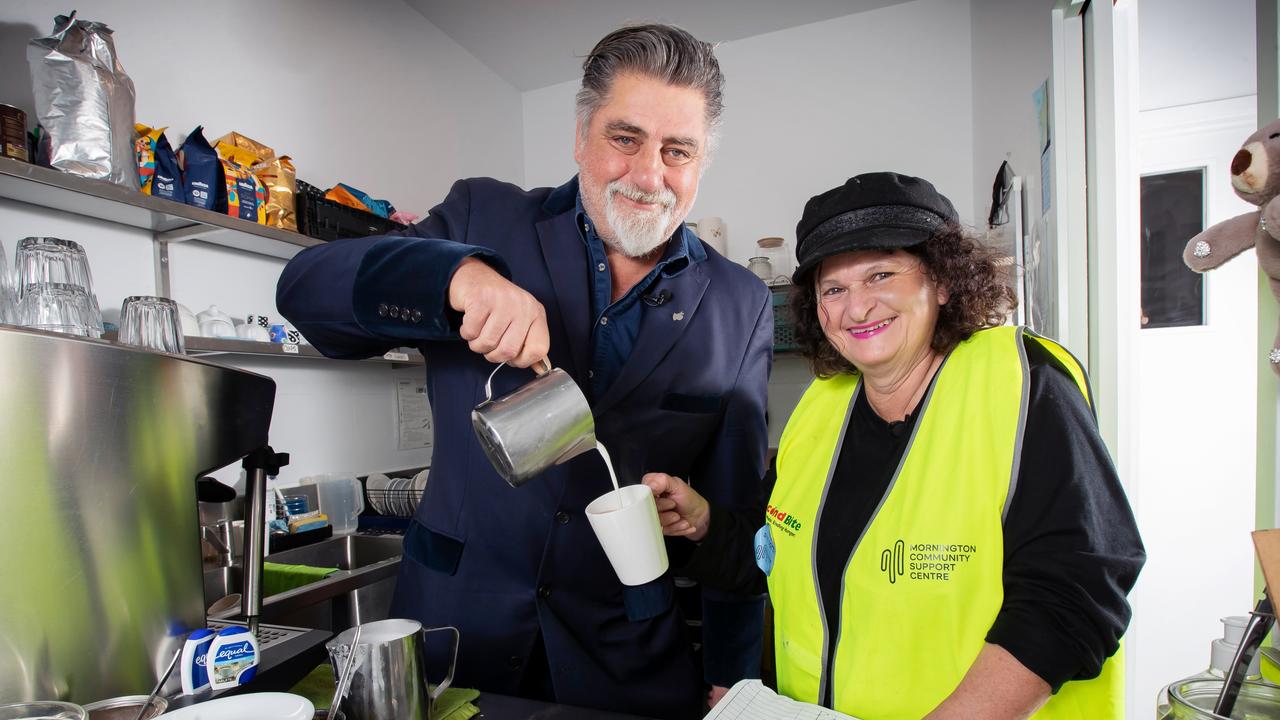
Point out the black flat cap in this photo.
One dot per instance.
(880, 211)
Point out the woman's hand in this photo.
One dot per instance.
(681, 510)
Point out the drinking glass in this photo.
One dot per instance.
(59, 307)
(54, 260)
(151, 322)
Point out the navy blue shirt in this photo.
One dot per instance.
(613, 335)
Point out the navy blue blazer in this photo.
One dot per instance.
(506, 564)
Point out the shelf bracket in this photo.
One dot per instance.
(192, 232)
(160, 248)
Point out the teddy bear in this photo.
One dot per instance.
(1255, 177)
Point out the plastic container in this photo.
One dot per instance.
(195, 669)
(783, 334)
(341, 500)
(233, 658)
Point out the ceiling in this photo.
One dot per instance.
(535, 44)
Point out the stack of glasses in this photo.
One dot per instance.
(54, 289)
(153, 323)
(8, 298)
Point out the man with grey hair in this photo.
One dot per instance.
(670, 342)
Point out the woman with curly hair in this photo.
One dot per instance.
(946, 536)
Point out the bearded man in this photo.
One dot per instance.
(670, 342)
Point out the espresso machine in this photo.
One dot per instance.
(101, 446)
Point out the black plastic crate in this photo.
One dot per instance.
(783, 336)
(327, 220)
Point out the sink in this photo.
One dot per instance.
(345, 552)
(359, 592)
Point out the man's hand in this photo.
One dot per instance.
(715, 695)
(500, 320)
(681, 510)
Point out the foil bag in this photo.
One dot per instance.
(84, 100)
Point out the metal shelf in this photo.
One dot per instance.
(167, 220)
(198, 346)
(170, 222)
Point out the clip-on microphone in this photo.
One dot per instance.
(655, 300)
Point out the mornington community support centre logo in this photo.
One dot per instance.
(933, 562)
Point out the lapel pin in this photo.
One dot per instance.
(677, 316)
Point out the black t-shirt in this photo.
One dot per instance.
(1071, 545)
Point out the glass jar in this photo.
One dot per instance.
(1194, 698)
(762, 268)
(778, 252)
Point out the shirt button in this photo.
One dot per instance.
(591, 373)
(544, 591)
(382, 309)
(417, 316)
(515, 662)
(600, 267)
(604, 321)
(562, 517)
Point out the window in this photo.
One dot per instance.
(1172, 213)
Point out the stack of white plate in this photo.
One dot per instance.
(396, 497)
(377, 484)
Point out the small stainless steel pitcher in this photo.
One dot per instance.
(389, 679)
(543, 423)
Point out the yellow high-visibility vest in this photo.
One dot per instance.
(924, 583)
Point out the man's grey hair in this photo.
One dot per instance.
(661, 52)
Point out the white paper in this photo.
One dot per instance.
(414, 414)
(751, 700)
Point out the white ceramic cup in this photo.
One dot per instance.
(630, 533)
(254, 328)
(715, 233)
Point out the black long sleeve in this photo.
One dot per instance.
(1072, 551)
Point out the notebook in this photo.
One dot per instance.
(751, 700)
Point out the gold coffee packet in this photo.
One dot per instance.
(278, 176)
(234, 139)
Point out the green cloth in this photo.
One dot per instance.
(454, 704)
(278, 577)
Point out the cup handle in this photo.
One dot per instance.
(359, 499)
(453, 662)
(542, 367)
(488, 384)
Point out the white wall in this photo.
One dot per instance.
(1011, 58)
(1191, 51)
(808, 107)
(367, 93)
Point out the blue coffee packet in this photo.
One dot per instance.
(157, 164)
(167, 182)
(202, 180)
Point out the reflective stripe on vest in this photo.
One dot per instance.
(924, 582)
